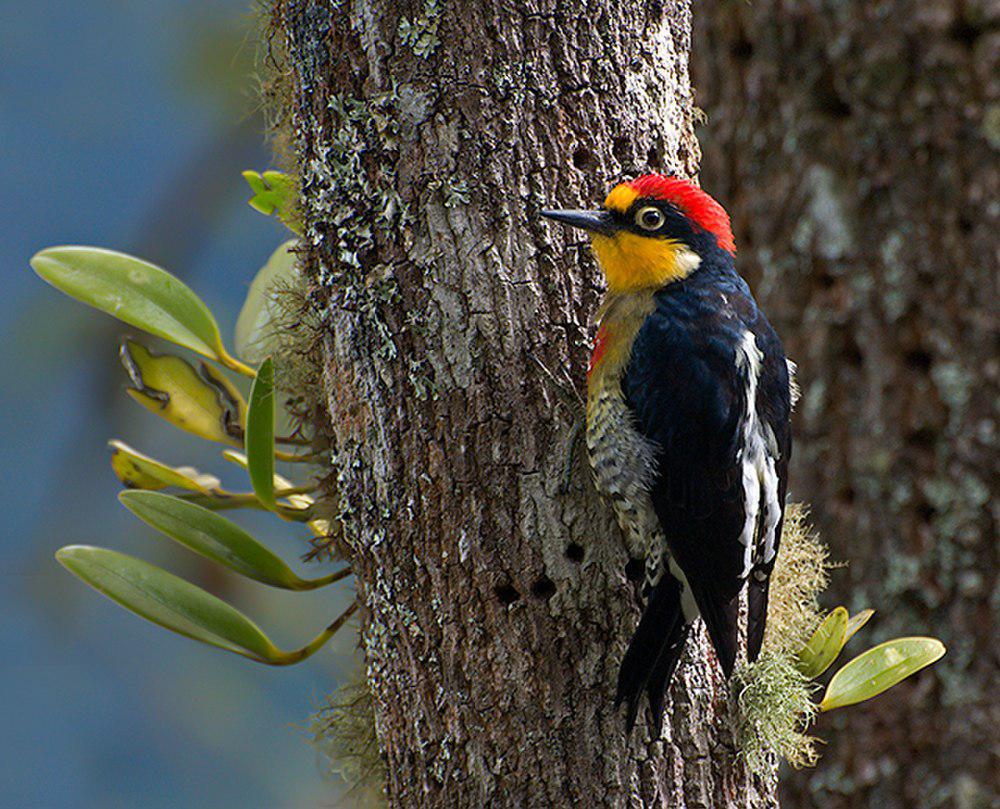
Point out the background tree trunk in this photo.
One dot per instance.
(429, 136)
(856, 146)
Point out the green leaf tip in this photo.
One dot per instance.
(879, 669)
(825, 644)
(134, 291)
(213, 536)
(260, 435)
(167, 600)
(181, 607)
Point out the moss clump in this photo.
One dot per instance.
(800, 575)
(344, 730)
(294, 338)
(275, 88)
(773, 699)
(775, 706)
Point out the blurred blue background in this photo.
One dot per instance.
(126, 124)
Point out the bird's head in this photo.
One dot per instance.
(653, 230)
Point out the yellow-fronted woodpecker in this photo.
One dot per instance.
(689, 396)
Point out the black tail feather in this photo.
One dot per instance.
(721, 616)
(663, 671)
(654, 649)
(756, 615)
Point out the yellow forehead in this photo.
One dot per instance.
(621, 198)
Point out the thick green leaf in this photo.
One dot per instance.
(169, 601)
(205, 404)
(138, 471)
(275, 193)
(878, 669)
(824, 645)
(219, 539)
(260, 435)
(254, 329)
(135, 291)
(856, 622)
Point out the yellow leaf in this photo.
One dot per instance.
(825, 644)
(206, 404)
(879, 669)
(138, 471)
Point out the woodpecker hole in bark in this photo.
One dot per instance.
(507, 593)
(543, 588)
(583, 159)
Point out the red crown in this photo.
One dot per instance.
(698, 206)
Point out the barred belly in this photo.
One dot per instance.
(623, 465)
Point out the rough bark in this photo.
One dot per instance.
(856, 147)
(429, 137)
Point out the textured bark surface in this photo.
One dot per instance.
(856, 146)
(429, 137)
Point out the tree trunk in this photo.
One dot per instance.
(429, 135)
(856, 146)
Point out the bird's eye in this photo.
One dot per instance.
(649, 218)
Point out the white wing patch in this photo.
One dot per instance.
(757, 455)
(794, 392)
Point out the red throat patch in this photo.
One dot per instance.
(698, 206)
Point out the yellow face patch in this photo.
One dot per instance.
(621, 198)
(632, 262)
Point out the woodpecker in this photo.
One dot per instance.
(689, 397)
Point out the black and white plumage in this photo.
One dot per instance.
(689, 400)
(708, 386)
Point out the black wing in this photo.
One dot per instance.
(682, 385)
(689, 393)
(774, 403)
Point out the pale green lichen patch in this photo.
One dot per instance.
(775, 707)
(456, 194)
(774, 700)
(422, 33)
(352, 206)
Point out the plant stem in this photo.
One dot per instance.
(291, 457)
(234, 364)
(314, 584)
(293, 440)
(290, 658)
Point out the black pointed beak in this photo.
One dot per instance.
(592, 221)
